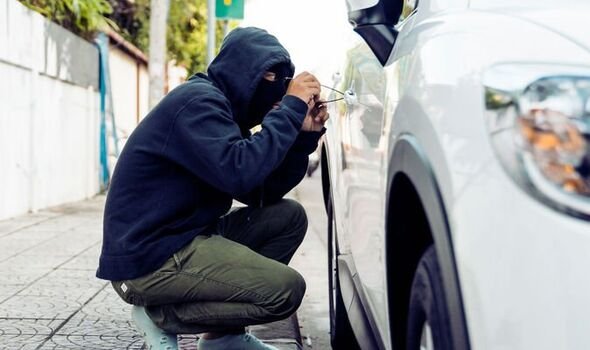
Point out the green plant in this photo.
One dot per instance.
(83, 17)
(187, 24)
(187, 29)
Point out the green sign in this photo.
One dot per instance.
(229, 9)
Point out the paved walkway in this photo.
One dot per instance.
(50, 299)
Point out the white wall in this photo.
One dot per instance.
(176, 75)
(123, 70)
(144, 92)
(130, 90)
(49, 113)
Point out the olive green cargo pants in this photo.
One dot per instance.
(229, 279)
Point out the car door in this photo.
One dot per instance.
(364, 136)
(362, 160)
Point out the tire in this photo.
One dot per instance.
(428, 315)
(341, 334)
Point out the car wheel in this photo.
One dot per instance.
(341, 334)
(428, 318)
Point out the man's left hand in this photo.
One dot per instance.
(316, 118)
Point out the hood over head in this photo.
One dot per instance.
(245, 55)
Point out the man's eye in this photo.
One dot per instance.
(270, 76)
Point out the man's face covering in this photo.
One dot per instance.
(268, 93)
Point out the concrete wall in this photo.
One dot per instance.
(144, 95)
(49, 113)
(176, 75)
(130, 84)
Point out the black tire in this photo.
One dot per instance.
(428, 306)
(341, 334)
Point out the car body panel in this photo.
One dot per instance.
(527, 285)
(431, 89)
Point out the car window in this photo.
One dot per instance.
(408, 9)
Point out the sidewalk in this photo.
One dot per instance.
(50, 299)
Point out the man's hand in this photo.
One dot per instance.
(315, 118)
(306, 87)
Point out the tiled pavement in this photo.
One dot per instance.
(50, 299)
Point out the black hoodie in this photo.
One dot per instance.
(191, 156)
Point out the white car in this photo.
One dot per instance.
(456, 176)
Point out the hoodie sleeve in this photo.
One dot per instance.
(289, 173)
(204, 139)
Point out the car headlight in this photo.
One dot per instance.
(539, 124)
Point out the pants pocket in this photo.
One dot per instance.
(126, 292)
(187, 253)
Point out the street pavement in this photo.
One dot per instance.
(51, 299)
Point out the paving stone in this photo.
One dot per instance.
(87, 262)
(18, 275)
(106, 305)
(93, 206)
(72, 277)
(17, 243)
(48, 286)
(189, 342)
(27, 326)
(37, 236)
(279, 329)
(21, 341)
(124, 329)
(34, 262)
(78, 295)
(92, 342)
(90, 228)
(11, 247)
(30, 306)
(26, 234)
(94, 250)
(76, 286)
(7, 291)
(282, 334)
(83, 324)
(21, 222)
(62, 224)
(61, 246)
(91, 223)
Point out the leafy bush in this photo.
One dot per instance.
(187, 29)
(83, 17)
(187, 24)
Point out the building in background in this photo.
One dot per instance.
(128, 68)
(129, 77)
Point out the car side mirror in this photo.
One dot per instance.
(374, 21)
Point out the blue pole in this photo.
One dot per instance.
(104, 166)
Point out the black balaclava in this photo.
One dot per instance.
(268, 93)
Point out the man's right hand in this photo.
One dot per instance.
(306, 87)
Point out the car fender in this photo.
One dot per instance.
(409, 159)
